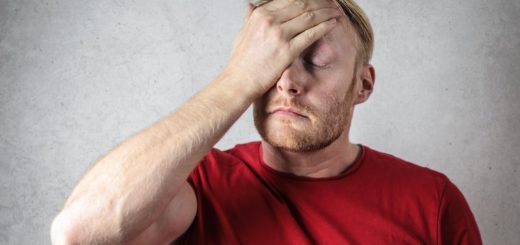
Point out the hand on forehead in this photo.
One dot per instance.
(274, 5)
(327, 44)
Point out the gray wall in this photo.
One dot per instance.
(78, 77)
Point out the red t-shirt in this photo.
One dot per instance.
(380, 199)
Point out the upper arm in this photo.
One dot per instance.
(176, 219)
(456, 224)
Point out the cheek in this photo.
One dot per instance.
(330, 99)
(263, 100)
(322, 104)
(259, 107)
(269, 95)
(333, 86)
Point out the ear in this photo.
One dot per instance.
(366, 79)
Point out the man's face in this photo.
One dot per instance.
(311, 104)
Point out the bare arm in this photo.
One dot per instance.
(138, 191)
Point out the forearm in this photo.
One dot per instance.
(127, 189)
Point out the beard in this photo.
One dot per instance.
(317, 130)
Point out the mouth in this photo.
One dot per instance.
(288, 111)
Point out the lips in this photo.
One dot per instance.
(289, 111)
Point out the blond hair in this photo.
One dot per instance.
(363, 28)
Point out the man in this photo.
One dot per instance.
(305, 65)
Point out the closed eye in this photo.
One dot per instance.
(309, 63)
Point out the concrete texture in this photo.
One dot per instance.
(78, 77)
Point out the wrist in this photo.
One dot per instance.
(239, 86)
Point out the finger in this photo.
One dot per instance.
(304, 4)
(338, 6)
(274, 5)
(308, 20)
(296, 5)
(296, 8)
(308, 37)
(258, 3)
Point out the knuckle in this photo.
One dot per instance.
(310, 35)
(309, 15)
(302, 3)
(268, 20)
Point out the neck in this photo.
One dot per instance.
(327, 162)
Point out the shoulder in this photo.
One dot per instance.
(403, 173)
(240, 152)
(394, 164)
(430, 189)
(221, 161)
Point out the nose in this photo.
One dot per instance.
(293, 79)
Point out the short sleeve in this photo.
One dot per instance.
(456, 223)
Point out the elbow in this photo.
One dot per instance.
(70, 229)
(63, 231)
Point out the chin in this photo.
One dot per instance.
(292, 136)
(317, 131)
